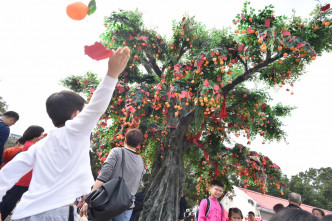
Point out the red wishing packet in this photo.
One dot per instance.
(97, 51)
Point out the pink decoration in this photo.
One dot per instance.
(142, 37)
(267, 22)
(285, 33)
(249, 30)
(240, 47)
(300, 45)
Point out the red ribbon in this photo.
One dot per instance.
(223, 111)
(195, 139)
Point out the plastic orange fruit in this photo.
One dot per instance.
(77, 10)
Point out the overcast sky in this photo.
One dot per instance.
(40, 45)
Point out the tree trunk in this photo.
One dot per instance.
(162, 195)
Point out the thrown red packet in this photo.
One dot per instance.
(97, 51)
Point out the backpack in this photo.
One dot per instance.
(208, 207)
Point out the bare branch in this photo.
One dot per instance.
(249, 73)
(152, 62)
(147, 66)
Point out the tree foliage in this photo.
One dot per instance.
(315, 187)
(197, 77)
(3, 106)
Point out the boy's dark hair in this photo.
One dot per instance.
(251, 212)
(20, 140)
(290, 214)
(319, 210)
(11, 114)
(134, 137)
(61, 105)
(217, 183)
(32, 132)
(278, 207)
(233, 210)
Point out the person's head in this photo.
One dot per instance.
(235, 214)
(251, 216)
(133, 138)
(318, 212)
(293, 214)
(278, 207)
(20, 142)
(327, 218)
(33, 133)
(294, 198)
(216, 189)
(63, 106)
(10, 118)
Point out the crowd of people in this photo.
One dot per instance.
(210, 209)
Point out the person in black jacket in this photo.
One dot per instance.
(294, 200)
(183, 206)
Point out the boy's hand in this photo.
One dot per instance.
(117, 62)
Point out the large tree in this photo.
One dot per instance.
(188, 96)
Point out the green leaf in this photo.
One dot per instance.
(92, 7)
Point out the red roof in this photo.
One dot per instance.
(267, 201)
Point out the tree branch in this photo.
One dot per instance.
(152, 62)
(242, 62)
(147, 66)
(184, 123)
(249, 73)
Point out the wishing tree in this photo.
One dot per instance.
(188, 96)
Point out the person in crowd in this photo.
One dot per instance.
(318, 212)
(132, 173)
(251, 216)
(235, 214)
(11, 152)
(278, 207)
(183, 207)
(213, 210)
(294, 200)
(30, 136)
(7, 120)
(327, 218)
(60, 162)
(293, 214)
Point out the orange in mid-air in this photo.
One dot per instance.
(77, 10)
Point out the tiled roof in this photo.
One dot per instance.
(267, 202)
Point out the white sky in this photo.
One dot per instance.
(40, 45)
